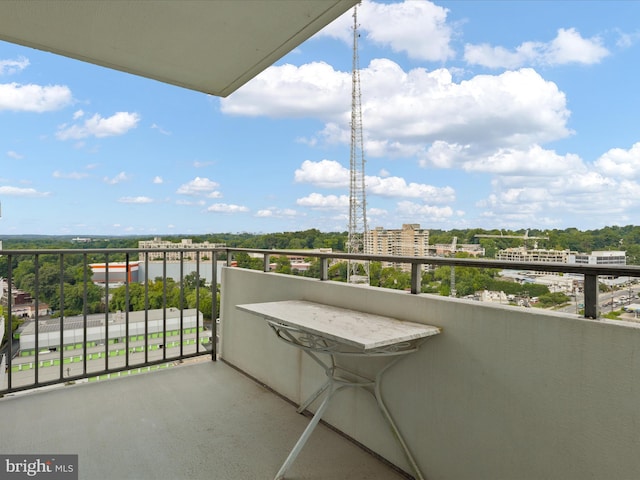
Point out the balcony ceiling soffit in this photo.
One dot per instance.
(209, 46)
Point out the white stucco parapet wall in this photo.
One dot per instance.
(502, 393)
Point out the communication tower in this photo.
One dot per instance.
(358, 270)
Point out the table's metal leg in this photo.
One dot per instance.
(394, 428)
(307, 432)
(303, 406)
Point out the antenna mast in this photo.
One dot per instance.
(358, 270)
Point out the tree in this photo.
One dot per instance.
(395, 278)
(245, 261)
(283, 264)
(552, 299)
(191, 280)
(338, 271)
(74, 299)
(314, 268)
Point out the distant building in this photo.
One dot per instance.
(443, 249)
(523, 254)
(607, 257)
(298, 261)
(28, 310)
(119, 273)
(22, 305)
(185, 244)
(612, 258)
(97, 328)
(409, 241)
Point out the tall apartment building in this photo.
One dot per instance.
(185, 244)
(409, 241)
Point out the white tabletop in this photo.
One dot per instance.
(362, 330)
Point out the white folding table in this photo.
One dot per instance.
(324, 329)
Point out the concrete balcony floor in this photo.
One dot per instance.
(201, 420)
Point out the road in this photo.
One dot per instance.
(605, 301)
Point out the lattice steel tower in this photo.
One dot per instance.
(358, 270)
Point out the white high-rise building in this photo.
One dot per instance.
(409, 241)
(185, 244)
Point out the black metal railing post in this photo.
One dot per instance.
(85, 309)
(324, 268)
(416, 278)
(591, 296)
(127, 301)
(181, 302)
(36, 266)
(214, 305)
(61, 316)
(8, 327)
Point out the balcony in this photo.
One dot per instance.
(201, 420)
(503, 393)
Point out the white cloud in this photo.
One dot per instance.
(620, 163)
(198, 164)
(9, 67)
(158, 180)
(78, 114)
(160, 129)
(99, 127)
(285, 90)
(330, 174)
(324, 202)
(377, 212)
(227, 208)
(534, 161)
(431, 212)
(404, 112)
(121, 177)
(70, 175)
(570, 47)
(523, 201)
(199, 186)
(14, 155)
(626, 40)
(200, 203)
(566, 48)
(398, 188)
(415, 27)
(325, 173)
(22, 192)
(424, 107)
(33, 98)
(140, 200)
(273, 212)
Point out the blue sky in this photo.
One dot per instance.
(476, 114)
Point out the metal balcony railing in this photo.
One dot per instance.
(156, 328)
(61, 345)
(590, 273)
